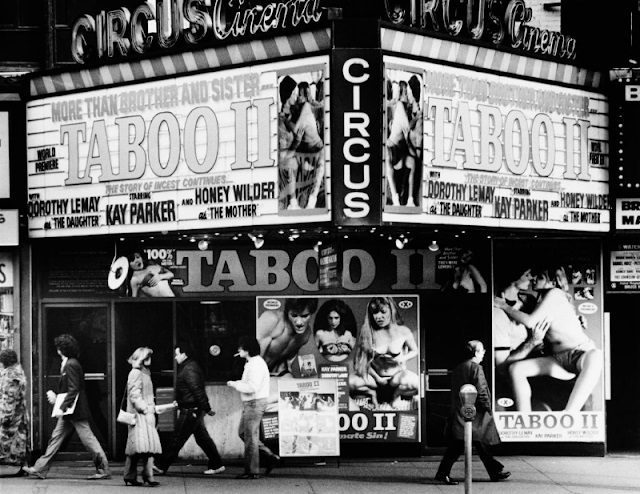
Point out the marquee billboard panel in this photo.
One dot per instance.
(468, 148)
(194, 152)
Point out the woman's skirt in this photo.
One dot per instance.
(143, 437)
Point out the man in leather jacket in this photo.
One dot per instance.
(193, 404)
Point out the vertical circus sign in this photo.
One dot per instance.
(357, 157)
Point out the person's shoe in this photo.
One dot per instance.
(271, 464)
(214, 471)
(99, 476)
(158, 471)
(445, 479)
(500, 476)
(151, 483)
(34, 472)
(248, 476)
(133, 483)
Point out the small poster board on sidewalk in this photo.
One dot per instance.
(308, 417)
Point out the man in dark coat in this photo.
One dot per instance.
(193, 404)
(71, 383)
(485, 433)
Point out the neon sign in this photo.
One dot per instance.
(502, 23)
(121, 32)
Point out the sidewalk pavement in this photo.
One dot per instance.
(615, 473)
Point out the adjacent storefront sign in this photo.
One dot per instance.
(367, 345)
(4, 155)
(6, 276)
(308, 417)
(627, 214)
(467, 148)
(625, 126)
(548, 380)
(9, 227)
(624, 268)
(232, 148)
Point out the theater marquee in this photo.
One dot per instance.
(497, 151)
(186, 153)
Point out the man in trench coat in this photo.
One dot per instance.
(485, 433)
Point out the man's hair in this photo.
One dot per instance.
(8, 357)
(67, 345)
(186, 346)
(300, 304)
(414, 84)
(287, 85)
(250, 345)
(472, 347)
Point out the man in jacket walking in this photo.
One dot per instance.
(193, 404)
(71, 383)
(485, 433)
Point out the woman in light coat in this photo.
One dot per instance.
(14, 426)
(142, 440)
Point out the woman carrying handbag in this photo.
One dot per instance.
(142, 440)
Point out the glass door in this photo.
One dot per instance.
(89, 324)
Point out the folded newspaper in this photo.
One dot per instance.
(160, 409)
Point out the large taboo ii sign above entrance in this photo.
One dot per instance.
(206, 151)
(470, 148)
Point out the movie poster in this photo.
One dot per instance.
(547, 341)
(308, 414)
(404, 137)
(368, 344)
(465, 147)
(301, 138)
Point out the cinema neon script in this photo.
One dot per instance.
(122, 32)
(503, 23)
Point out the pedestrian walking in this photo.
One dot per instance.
(71, 383)
(193, 405)
(485, 433)
(254, 391)
(143, 440)
(14, 420)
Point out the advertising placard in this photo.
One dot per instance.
(329, 266)
(467, 148)
(4, 155)
(237, 147)
(547, 341)
(367, 345)
(308, 417)
(624, 268)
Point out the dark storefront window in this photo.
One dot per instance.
(213, 327)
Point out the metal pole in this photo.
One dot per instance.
(467, 456)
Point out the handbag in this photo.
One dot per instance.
(125, 417)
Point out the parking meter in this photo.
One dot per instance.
(468, 394)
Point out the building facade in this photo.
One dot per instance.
(264, 168)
